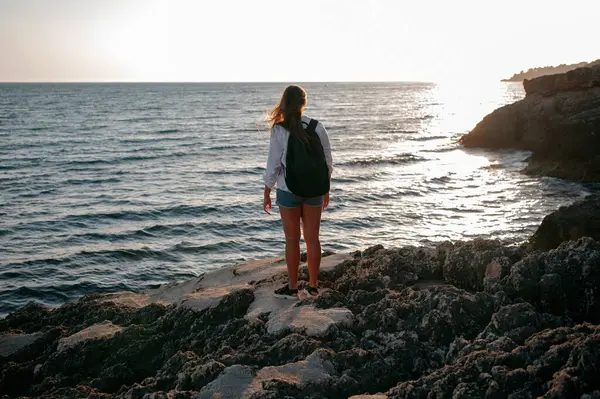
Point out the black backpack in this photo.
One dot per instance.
(306, 171)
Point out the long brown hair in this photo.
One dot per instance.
(288, 113)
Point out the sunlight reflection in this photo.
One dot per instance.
(460, 105)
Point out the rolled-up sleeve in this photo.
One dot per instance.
(274, 159)
(324, 137)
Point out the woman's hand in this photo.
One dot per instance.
(267, 200)
(325, 200)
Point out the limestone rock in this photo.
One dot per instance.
(315, 322)
(558, 120)
(12, 343)
(97, 331)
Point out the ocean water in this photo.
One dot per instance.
(109, 187)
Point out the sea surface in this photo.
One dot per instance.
(107, 187)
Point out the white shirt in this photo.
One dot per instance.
(274, 175)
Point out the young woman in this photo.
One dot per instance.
(287, 119)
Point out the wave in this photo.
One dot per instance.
(393, 160)
(131, 254)
(160, 230)
(98, 257)
(427, 138)
(91, 181)
(237, 172)
(448, 148)
(463, 210)
(379, 196)
(440, 180)
(90, 162)
(165, 131)
(94, 258)
(203, 117)
(87, 220)
(139, 119)
(144, 214)
(154, 139)
(421, 118)
(492, 166)
(95, 127)
(335, 179)
(228, 147)
(37, 194)
(146, 109)
(125, 159)
(165, 231)
(247, 130)
(203, 249)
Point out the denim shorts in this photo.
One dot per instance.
(285, 199)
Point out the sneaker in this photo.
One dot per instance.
(311, 292)
(286, 292)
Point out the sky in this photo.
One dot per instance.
(290, 41)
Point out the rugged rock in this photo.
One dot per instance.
(468, 264)
(564, 281)
(558, 120)
(557, 363)
(568, 223)
(577, 79)
(467, 319)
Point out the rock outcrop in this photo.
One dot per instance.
(581, 219)
(467, 319)
(578, 79)
(558, 120)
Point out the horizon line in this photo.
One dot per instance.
(214, 81)
(223, 82)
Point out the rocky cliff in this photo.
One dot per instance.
(476, 319)
(558, 120)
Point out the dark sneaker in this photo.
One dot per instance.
(286, 292)
(311, 292)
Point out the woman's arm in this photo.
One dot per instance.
(267, 200)
(273, 168)
(274, 159)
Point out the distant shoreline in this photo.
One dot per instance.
(533, 73)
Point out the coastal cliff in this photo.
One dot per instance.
(558, 121)
(467, 319)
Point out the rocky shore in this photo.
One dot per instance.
(558, 121)
(476, 319)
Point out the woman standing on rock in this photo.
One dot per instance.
(300, 165)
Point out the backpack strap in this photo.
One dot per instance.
(312, 126)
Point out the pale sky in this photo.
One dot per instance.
(291, 41)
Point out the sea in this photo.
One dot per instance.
(122, 186)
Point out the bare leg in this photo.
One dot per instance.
(311, 223)
(291, 227)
